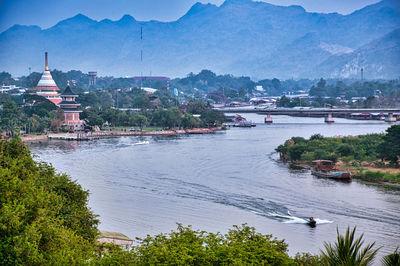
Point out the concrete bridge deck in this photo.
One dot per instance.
(307, 111)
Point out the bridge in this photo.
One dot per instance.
(389, 113)
(306, 111)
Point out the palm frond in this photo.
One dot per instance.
(348, 251)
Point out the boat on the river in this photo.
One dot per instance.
(326, 169)
(244, 124)
(240, 121)
(311, 222)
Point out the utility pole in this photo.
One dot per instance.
(141, 57)
(362, 74)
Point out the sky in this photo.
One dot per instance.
(46, 13)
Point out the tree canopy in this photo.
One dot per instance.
(44, 218)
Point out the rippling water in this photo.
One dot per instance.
(144, 185)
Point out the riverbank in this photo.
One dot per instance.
(367, 173)
(101, 134)
(372, 158)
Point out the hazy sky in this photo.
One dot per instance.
(46, 13)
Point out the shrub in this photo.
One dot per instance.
(316, 136)
(44, 219)
(345, 150)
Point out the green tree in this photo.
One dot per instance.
(92, 117)
(196, 107)
(138, 120)
(390, 148)
(9, 115)
(189, 121)
(283, 102)
(348, 251)
(212, 118)
(174, 117)
(44, 219)
(142, 101)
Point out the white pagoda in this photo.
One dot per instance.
(46, 86)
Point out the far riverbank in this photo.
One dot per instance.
(371, 158)
(102, 134)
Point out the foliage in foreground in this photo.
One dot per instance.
(44, 218)
(241, 245)
(392, 259)
(348, 251)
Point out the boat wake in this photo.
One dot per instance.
(256, 205)
(142, 143)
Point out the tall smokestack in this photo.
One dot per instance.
(47, 63)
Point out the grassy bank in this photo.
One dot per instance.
(379, 176)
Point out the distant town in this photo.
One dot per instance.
(82, 98)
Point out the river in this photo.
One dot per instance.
(145, 185)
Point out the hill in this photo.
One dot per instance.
(241, 37)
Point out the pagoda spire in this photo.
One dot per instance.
(46, 86)
(46, 62)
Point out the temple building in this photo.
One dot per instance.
(46, 86)
(71, 110)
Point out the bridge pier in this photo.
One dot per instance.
(268, 119)
(329, 119)
(390, 118)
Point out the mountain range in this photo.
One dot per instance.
(240, 37)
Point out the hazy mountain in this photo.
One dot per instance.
(379, 59)
(241, 37)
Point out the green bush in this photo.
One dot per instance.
(307, 259)
(44, 219)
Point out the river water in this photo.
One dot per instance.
(145, 185)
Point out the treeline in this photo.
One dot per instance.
(370, 147)
(28, 113)
(127, 98)
(45, 220)
(192, 115)
(77, 78)
(378, 101)
(194, 85)
(31, 113)
(222, 88)
(356, 89)
(374, 94)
